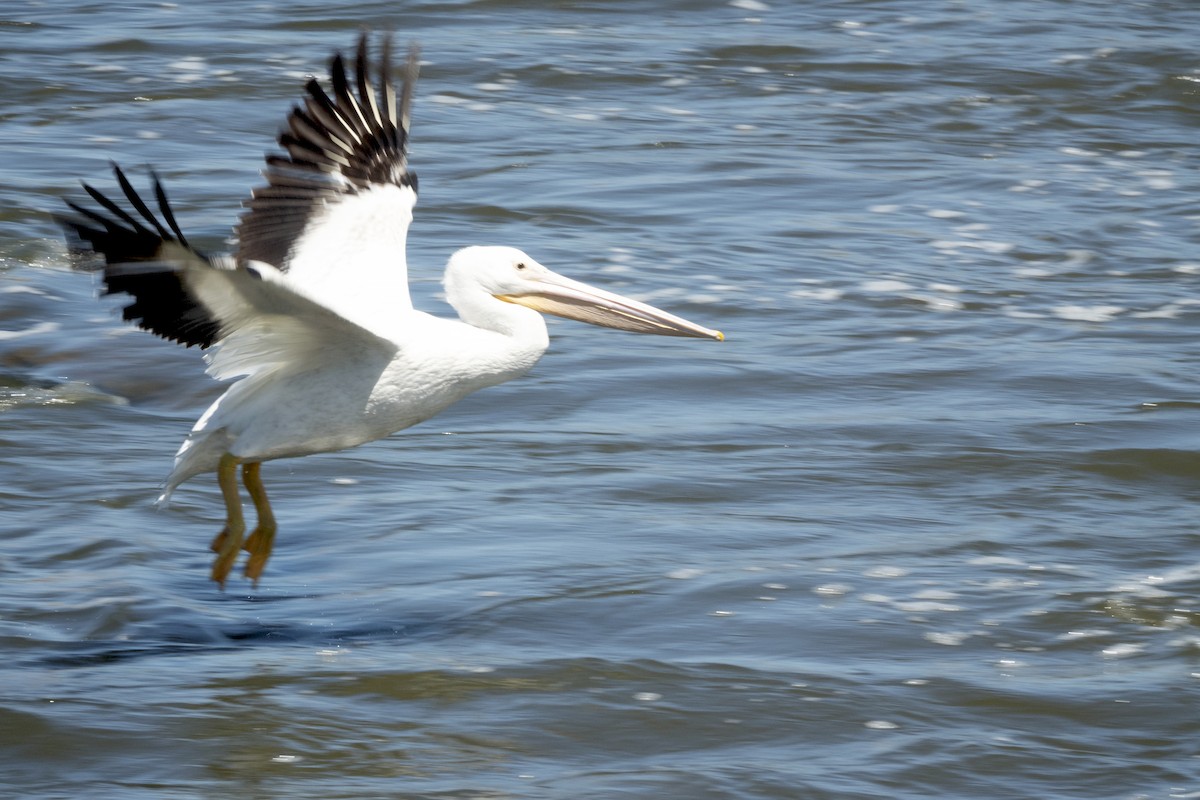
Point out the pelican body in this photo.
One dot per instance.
(310, 319)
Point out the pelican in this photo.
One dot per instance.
(310, 318)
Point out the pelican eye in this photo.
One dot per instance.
(520, 265)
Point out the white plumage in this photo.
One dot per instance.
(311, 319)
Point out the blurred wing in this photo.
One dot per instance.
(260, 321)
(335, 212)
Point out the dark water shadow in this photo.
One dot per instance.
(192, 640)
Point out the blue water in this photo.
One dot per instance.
(923, 526)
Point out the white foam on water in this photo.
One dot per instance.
(1099, 313)
(885, 286)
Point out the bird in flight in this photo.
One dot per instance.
(311, 318)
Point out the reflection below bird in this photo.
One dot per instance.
(311, 318)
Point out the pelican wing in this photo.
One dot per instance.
(137, 243)
(256, 315)
(335, 212)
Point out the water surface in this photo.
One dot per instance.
(923, 526)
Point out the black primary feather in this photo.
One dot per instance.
(336, 144)
(138, 261)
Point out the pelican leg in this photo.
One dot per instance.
(229, 540)
(259, 542)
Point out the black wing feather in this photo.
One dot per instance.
(142, 262)
(340, 142)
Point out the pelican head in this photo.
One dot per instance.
(508, 274)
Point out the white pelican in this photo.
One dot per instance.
(311, 317)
